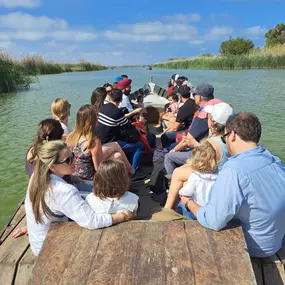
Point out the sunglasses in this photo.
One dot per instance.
(223, 138)
(68, 160)
(109, 91)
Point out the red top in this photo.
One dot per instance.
(143, 137)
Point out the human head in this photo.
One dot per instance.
(173, 79)
(118, 79)
(48, 130)
(184, 93)
(139, 118)
(218, 115)
(203, 158)
(173, 98)
(116, 96)
(86, 120)
(125, 86)
(108, 87)
(124, 76)
(140, 98)
(180, 80)
(97, 98)
(111, 179)
(60, 109)
(53, 157)
(243, 131)
(203, 93)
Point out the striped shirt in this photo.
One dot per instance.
(110, 119)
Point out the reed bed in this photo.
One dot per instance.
(18, 74)
(256, 59)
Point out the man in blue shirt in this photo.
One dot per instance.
(250, 188)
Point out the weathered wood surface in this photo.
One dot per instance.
(180, 252)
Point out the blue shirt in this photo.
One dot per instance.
(251, 189)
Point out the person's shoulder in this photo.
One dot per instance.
(111, 110)
(60, 186)
(129, 197)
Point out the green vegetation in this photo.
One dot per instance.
(236, 46)
(238, 54)
(275, 36)
(20, 74)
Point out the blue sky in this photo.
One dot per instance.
(130, 32)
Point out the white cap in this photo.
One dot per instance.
(220, 112)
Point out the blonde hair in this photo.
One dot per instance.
(85, 124)
(203, 158)
(111, 180)
(48, 155)
(60, 109)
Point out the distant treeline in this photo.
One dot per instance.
(15, 74)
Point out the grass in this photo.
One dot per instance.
(15, 74)
(273, 57)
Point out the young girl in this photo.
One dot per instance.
(202, 178)
(110, 195)
(60, 109)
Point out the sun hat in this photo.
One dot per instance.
(220, 112)
(124, 83)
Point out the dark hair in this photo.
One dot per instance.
(48, 130)
(139, 97)
(116, 95)
(246, 125)
(175, 90)
(111, 179)
(184, 91)
(124, 76)
(180, 80)
(107, 85)
(174, 97)
(97, 98)
(219, 129)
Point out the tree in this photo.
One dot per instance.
(236, 46)
(275, 36)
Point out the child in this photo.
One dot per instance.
(148, 139)
(140, 104)
(60, 109)
(202, 178)
(110, 195)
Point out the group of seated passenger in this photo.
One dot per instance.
(217, 169)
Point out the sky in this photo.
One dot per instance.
(130, 32)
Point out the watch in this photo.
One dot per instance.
(186, 205)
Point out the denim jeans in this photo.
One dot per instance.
(134, 150)
(151, 138)
(182, 211)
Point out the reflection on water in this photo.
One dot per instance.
(258, 91)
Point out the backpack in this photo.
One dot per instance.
(158, 183)
(129, 134)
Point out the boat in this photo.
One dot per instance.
(17, 260)
(149, 67)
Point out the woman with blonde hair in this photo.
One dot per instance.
(87, 148)
(49, 198)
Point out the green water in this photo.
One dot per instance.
(259, 91)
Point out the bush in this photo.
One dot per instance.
(236, 46)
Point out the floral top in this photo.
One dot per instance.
(84, 167)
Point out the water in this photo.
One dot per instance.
(258, 91)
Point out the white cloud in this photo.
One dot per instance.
(26, 22)
(21, 26)
(5, 44)
(183, 18)
(218, 32)
(152, 32)
(20, 3)
(255, 32)
(196, 42)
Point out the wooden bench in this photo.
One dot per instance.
(143, 252)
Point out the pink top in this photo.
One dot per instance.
(174, 107)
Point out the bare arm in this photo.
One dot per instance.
(193, 207)
(97, 154)
(129, 115)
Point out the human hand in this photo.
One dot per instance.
(184, 199)
(138, 110)
(173, 150)
(190, 140)
(128, 215)
(20, 231)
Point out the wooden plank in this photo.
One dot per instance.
(142, 253)
(58, 250)
(219, 257)
(25, 268)
(257, 269)
(11, 252)
(14, 222)
(281, 252)
(273, 270)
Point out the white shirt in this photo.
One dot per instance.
(126, 103)
(65, 129)
(128, 202)
(63, 200)
(199, 186)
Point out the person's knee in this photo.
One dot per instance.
(140, 145)
(117, 155)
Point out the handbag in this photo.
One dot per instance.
(129, 134)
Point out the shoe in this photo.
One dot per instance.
(138, 176)
(159, 197)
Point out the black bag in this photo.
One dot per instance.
(158, 183)
(129, 134)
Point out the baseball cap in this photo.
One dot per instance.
(118, 78)
(220, 112)
(204, 90)
(124, 83)
(175, 76)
